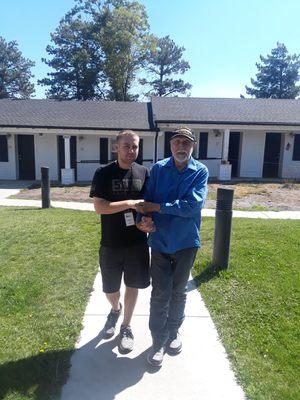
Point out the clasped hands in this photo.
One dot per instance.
(146, 223)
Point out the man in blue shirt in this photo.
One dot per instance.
(175, 194)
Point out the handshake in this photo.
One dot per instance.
(146, 223)
(144, 207)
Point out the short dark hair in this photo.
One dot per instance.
(126, 132)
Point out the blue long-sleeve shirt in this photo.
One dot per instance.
(181, 195)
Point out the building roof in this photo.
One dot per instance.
(46, 113)
(111, 115)
(226, 111)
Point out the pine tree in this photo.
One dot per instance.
(15, 72)
(165, 61)
(98, 48)
(77, 62)
(277, 75)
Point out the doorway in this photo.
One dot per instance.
(26, 161)
(234, 152)
(272, 155)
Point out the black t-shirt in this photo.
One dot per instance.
(113, 183)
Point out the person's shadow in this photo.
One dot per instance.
(42, 376)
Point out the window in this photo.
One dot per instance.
(3, 148)
(167, 152)
(103, 150)
(203, 145)
(296, 151)
(139, 159)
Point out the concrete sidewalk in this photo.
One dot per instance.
(205, 212)
(99, 372)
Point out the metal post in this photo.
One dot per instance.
(45, 185)
(222, 228)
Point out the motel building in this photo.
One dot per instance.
(236, 138)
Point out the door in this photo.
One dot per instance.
(61, 154)
(272, 155)
(234, 152)
(26, 162)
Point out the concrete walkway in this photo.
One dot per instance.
(99, 372)
(205, 212)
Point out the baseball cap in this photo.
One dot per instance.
(183, 131)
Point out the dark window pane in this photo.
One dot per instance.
(103, 150)
(139, 159)
(167, 152)
(296, 151)
(3, 148)
(203, 145)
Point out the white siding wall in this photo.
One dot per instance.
(160, 146)
(148, 150)
(290, 168)
(87, 149)
(213, 167)
(8, 169)
(252, 157)
(214, 146)
(45, 149)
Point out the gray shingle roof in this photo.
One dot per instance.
(75, 114)
(230, 111)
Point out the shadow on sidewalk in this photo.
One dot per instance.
(98, 372)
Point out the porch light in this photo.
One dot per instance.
(216, 132)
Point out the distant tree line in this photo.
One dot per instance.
(103, 49)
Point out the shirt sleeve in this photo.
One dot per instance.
(98, 185)
(146, 190)
(192, 201)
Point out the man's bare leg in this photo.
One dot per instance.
(130, 299)
(114, 300)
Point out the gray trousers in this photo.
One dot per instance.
(169, 273)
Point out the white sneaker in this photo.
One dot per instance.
(126, 339)
(155, 356)
(174, 344)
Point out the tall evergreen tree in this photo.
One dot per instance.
(77, 62)
(15, 72)
(165, 61)
(125, 42)
(99, 47)
(277, 75)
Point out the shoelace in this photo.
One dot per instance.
(127, 332)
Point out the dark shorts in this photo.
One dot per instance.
(132, 261)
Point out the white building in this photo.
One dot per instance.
(246, 138)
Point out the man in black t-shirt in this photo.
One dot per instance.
(116, 189)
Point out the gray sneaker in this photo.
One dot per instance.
(110, 325)
(155, 356)
(126, 339)
(174, 344)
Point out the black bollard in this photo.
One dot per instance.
(45, 185)
(222, 228)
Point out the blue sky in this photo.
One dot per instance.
(223, 38)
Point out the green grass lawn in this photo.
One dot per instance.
(48, 264)
(255, 304)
